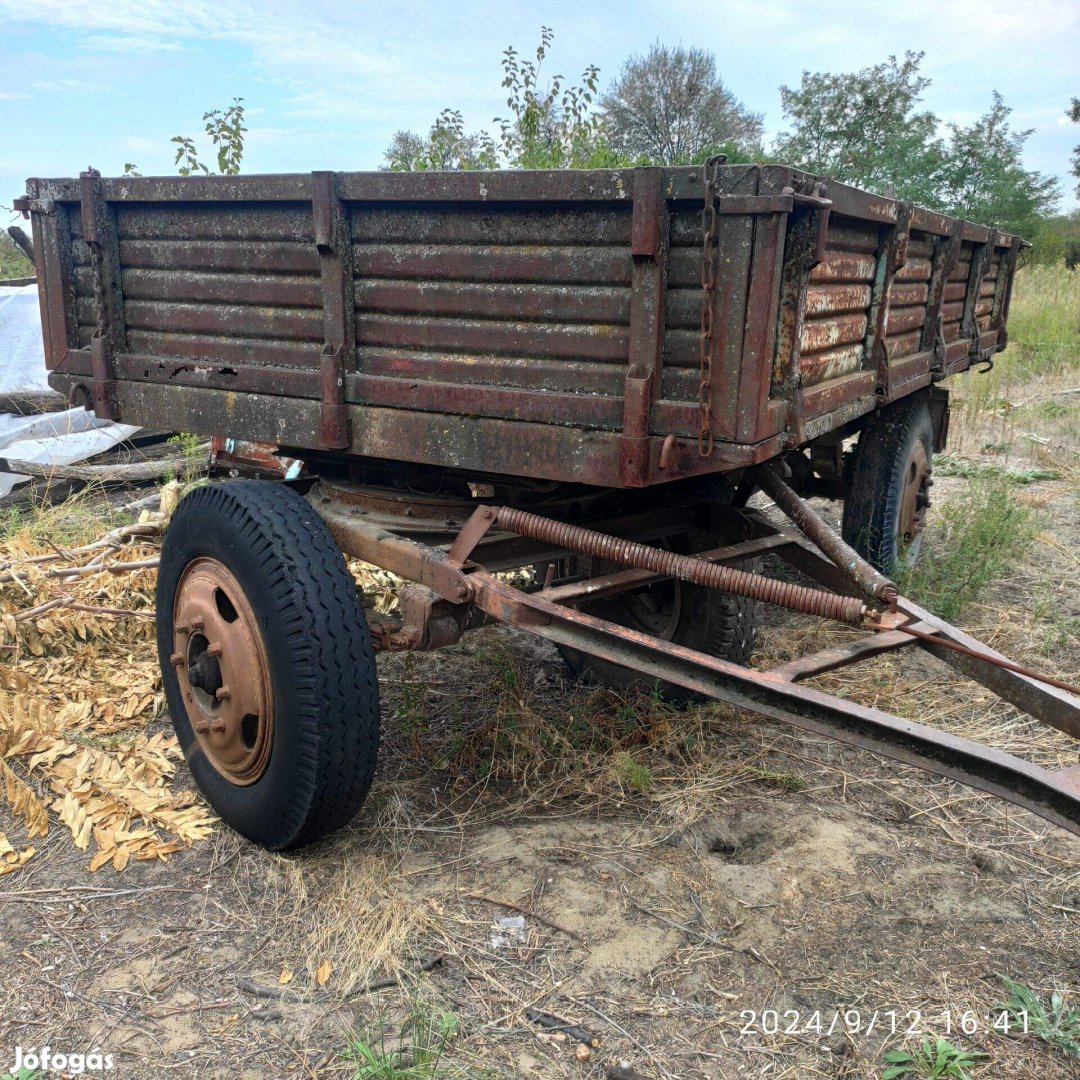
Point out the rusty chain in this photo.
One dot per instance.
(709, 220)
(102, 312)
(97, 259)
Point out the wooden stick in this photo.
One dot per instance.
(510, 906)
(556, 1023)
(112, 568)
(22, 241)
(128, 473)
(283, 993)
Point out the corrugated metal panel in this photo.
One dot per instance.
(530, 296)
(908, 295)
(223, 283)
(838, 302)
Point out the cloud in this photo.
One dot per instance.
(12, 95)
(130, 43)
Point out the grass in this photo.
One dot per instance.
(414, 1051)
(973, 540)
(1055, 1023)
(1027, 392)
(937, 1060)
(1044, 322)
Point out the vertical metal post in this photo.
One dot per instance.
(334, 245)
(648, 247)
(98, 236)
(891, 256)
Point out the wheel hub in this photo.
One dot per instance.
(914, 502)
(222, 668)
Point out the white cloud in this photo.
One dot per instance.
(130, 43)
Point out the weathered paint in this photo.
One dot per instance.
(430, 304)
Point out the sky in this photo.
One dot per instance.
(326, 83)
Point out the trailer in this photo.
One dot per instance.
(587, 374)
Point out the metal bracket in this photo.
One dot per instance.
(331, 236)
(102, 384)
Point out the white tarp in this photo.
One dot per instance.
(22, 355)
(53, 438)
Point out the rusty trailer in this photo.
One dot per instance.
(583, 373)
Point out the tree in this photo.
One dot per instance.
(983, 177)
(550, 126)
(865, 128)
(447, 146)
(1057, 239)
(226, 131)
(671, 106)
(1074, 116)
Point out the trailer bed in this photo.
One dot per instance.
(542, 324)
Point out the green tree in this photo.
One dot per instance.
(865, 128)
(552, 125)
(983, 178)
(446, 146)
(671, 106)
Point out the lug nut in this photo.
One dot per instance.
(177, 659)
(197, 623)
(182, 628)
(214, 649)
(223, 694)
(201, 727)
(217, 725)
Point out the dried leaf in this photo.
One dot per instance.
(323, 972)
(10, 859)
(24, 801)
(285, 977)
(76, 819)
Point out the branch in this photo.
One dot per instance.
(128, 473)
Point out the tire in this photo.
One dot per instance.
(885, 507)
(719, 624)
(291, 624)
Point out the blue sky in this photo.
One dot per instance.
(104, 82)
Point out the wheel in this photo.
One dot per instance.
(718, 624)
(885, 508)
(266, 662)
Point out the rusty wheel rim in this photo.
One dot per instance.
(221, 665)
(914, 501)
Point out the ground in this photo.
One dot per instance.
(684, 883)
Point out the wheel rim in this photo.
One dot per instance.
(221, 665)
(914, 501)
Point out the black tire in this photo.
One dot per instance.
(321, 668)
(718, 624)
(896, 441)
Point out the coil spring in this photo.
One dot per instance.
(683, 567)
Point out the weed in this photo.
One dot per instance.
(632, 774)
(948, 465)
(414, 1052)
(784, 780)
(78, 519)
(976, 539)
(1058, 1025)
(939, 1060)
(192, 454)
